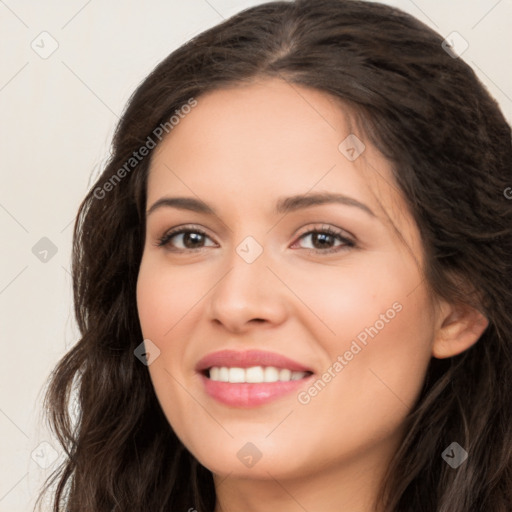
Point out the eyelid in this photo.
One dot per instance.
(329, 228)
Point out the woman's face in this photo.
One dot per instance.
(290, 312)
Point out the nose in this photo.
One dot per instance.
(249, 295)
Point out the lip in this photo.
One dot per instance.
(248, 358)
(245, 394)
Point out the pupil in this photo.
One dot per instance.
(192, 239)
(323, 238)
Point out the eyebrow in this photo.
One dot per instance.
(283, 206)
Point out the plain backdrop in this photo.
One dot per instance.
(67, 70)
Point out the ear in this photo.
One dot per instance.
(460, 327)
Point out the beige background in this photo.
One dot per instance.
(58, 115)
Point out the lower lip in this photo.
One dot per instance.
(250, 394)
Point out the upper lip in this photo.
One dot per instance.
(248, 358)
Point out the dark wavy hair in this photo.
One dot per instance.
(450, 148)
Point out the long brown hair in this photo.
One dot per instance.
(450, 148)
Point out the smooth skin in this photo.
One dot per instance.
(307, 296)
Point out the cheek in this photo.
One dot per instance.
(165, 301)
(378, 370)
(365, 292)
(165, 296)
(374, 377)
(376, 329)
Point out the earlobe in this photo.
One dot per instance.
(461, 327)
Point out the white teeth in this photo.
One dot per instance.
(285, 374)
(223, 374)
(236, 375)
(271, 374)
(254, 374)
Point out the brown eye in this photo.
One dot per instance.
(326, 240)
(185, 239)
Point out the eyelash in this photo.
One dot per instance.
(347, 243)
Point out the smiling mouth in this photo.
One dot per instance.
(251, 378)
(253, 374)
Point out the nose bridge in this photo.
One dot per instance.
(248, 271)
(246, 292)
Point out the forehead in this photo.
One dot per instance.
(254, 132)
